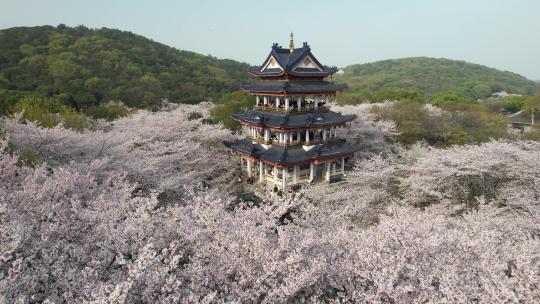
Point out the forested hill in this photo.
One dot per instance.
(83, 67)
(432, 76)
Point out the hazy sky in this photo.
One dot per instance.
(496, 33)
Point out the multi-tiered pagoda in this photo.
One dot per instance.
(291, 132)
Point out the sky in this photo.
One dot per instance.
(503, 34)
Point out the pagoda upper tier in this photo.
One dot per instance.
(285, 63)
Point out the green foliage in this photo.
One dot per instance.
(457, 124)
(450, 97)
(8, 98)
(71, 119)
(25, 157)
(400, 94)
(194, 116)
(109, 111)
(28, 158)
(506, 105)
(444, 79)
(229, 104)
(359, 96)
(48, 113)
(352, 97)
(532, 103)
(84, 67)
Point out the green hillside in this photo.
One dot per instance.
(422, 77)
(83, 67)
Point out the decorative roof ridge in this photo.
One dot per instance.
(276, 46)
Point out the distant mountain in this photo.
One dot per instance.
(84, 67)
(432, 76)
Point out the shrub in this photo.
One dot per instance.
(507, 105)
(352, 98)
(8, 98)
(109, 111)
(48, 113)
(450, 97)
(458, 123)
(401, 94)
(229, 104)
(361, 96)
(25, 157)
(194, 116)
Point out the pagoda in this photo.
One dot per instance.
(291, 131)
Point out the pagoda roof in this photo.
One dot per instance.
(292, 120)
(293, 87)
(288, 156)
(282, 61)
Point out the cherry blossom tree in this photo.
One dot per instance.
(142, 210)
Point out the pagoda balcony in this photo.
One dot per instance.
(257, 140)
(301, 179)
(288, 144)
(302, 109)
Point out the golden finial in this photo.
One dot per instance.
(291, 44)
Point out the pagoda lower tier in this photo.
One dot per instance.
(320, 118)
(284, 166)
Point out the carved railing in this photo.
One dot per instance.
(282, 109)
(294, 143)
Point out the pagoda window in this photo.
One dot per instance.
(322, 102)
(273, 137)
(304, 167)
(290, 171)
(266, 135)
(279, 174)
(317, 135)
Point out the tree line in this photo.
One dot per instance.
(85, 68)
(428, 79)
